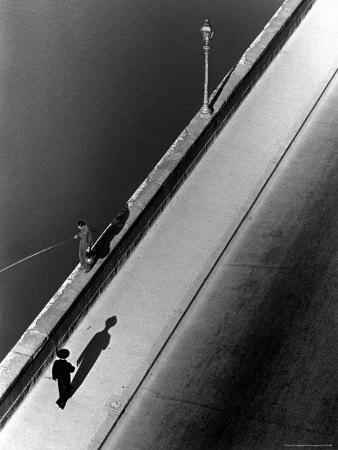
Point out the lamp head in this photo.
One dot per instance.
(207, 30)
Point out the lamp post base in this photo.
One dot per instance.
(206, 111)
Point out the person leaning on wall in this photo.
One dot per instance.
(86, 239)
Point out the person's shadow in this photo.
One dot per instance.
(90, 354)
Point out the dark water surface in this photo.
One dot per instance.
(92, 94)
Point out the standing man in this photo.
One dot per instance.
(86, 240)
(61, 372)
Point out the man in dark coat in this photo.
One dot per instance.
(61, 372)
(86, 240)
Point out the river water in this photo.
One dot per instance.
(92, 94)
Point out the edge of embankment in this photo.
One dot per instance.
(37, 346)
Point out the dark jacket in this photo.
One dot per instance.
(62, 369)
(86, 237)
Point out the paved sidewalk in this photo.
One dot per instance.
(252, 363)
(160, 278)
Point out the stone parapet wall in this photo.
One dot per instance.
(36, 348)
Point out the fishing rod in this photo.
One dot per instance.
(38, 253)
(35, 254)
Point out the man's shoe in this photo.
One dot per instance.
(60, 404)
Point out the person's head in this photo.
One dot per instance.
(63, 353)
(81, 224)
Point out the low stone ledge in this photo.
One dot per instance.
(30, 341)
(48, 320)
(227, 91)
(61, 315)
(11, 367)
(243, 68)
(254, 53)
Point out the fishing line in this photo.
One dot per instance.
(35, 254)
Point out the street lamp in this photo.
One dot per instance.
(207, 33)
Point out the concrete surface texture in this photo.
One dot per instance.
(157, 283)
(252, 364)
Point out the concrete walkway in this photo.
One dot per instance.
(252, 363)
(159, 280)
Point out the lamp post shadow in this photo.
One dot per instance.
(90, 354)
(102, 246)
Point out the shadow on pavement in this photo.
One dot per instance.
(90, 354)
(102, 247)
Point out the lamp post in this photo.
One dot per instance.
(207, 31)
